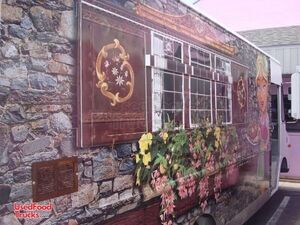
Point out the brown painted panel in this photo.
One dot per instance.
(54, 178)
(113, 103)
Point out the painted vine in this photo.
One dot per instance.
(179, 164)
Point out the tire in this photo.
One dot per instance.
(205, 220)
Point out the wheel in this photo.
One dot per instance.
(205, 220)
(284, 166)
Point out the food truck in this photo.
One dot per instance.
(200, 105)
(130, 112)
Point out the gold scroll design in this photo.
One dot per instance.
(241, 92)
(185, 24)
(102, 84)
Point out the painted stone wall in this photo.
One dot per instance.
(38, 87)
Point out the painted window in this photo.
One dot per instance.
(223, 65)
(200, 101)
(167, 86)
(167, 98)
(223, 102)
(167, 47)
(199, 57)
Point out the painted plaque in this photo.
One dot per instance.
(112, 94)
(54, 178)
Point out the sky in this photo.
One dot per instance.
(238, 15)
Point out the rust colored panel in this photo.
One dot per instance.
(54, 178)
(112, 96)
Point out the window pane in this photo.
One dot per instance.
(168, 47)
(178, 83)
(207, 102)
(168, 100)
(194, 85)
(193, 55)
(178, 118)
(158, 45)
(168, 82)
(220, 116)
(178, 101)
(201, 102)
(220, 103)
(194, 117)
(228, 117)
(207, 87)
(193, 101)
(201, 87)
(177, 50)
(201, 59)
(168, 116)
(207, 59)
(208, 116)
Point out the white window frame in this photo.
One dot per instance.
(203, 50)
(156, 127)
(168, 37)
(227, 73)
(216, 104)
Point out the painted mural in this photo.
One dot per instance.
(178, 65)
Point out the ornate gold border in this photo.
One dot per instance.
(102, 84)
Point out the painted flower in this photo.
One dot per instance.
(137, 158)
(119, 80)
(144, 142)
(217, 133)
(164, 136)
(106, 64)
(115, 71)
(147, 159)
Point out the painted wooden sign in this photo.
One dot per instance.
(112, 102)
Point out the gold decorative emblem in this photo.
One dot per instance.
(241, 92)
(115, 74)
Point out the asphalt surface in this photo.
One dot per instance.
(282, 209)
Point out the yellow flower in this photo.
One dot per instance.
(147, 159)
(149, 138)
(217, 133)
(143, 147)
(165, 136)
(137, 158)
(144, 142)
(217, 144)
(138, 179)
